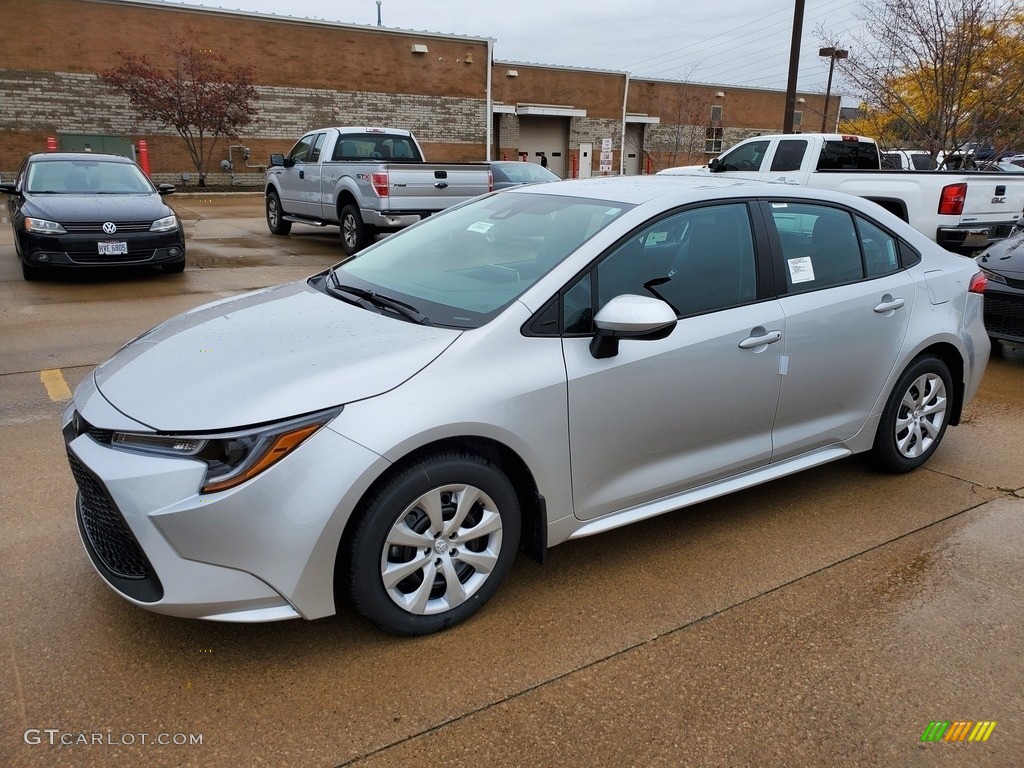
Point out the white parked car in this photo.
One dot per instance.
(535, 365)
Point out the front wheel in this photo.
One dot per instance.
(355, 235)
(275, 216)
(433, 544)
(916, 416)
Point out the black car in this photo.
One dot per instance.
(75, 210)
(1003, 265)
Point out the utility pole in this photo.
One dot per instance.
(794, 66)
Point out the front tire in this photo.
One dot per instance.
(30, 273)
(915, 417)
(433, 544)
(275, 216)
(355, 235)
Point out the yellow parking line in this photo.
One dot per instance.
(55, 385)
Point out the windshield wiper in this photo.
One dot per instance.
(407, 311)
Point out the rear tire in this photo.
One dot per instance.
(355, 235)
(433, 544)
(275, 216)
(915, 417)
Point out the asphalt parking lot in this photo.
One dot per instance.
(821, 620)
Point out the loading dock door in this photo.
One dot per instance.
(549, 135)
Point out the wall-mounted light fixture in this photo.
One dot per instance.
(720, 95)
(513, 73)
(419, 48)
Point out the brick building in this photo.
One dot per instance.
(445, 88)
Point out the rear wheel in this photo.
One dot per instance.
(433, 544)
(916, 416)
(275, 216)
(355, 235)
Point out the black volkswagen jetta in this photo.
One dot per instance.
(1003, 264)
(82, 210)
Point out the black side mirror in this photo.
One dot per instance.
(715, 165)
(279, 161)
(9, 187)
(166, 189)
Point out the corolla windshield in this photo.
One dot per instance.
(461, 268)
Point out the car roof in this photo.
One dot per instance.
(680, 189)
(101, 156)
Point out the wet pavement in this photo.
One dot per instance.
(820, 620)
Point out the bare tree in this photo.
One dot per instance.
(941, 73)
(201, 96)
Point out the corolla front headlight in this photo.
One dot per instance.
(166, 224)
(231, 458)
(43, 227)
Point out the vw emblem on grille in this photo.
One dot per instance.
(109, 227)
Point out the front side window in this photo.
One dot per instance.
(318, 143)
(301, 149)
(699, 260)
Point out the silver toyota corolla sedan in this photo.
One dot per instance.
(533, 366)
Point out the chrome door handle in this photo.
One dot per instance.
(888, 305)
(753, 342)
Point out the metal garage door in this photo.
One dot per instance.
(549, 135)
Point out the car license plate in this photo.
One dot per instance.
(119, 248)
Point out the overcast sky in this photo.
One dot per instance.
(737, 42)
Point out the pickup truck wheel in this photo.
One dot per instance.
(355, 235)
(275, 216)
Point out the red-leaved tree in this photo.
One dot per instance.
(200, 95)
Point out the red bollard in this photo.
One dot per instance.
(504, 155)
(51, 143)
(144, 156)
(575, 166)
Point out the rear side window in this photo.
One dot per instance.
(848, 155)
(820, 246)
(789, 154)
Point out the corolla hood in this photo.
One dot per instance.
(263, 357)
(65, 208)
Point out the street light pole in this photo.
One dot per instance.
(833, 54)
(378, 13)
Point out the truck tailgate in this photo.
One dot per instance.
(435, 186)
(993, 198)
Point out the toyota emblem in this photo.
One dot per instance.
(109, 227)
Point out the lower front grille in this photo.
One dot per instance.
(1004, 315)
(111, 539)
(91, 257)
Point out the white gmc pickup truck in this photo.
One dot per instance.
(962, 211)
(365, 180)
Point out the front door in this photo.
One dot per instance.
(663, 416)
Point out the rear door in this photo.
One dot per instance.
(847, 299)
